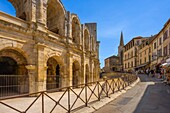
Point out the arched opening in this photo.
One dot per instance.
(114, 69)
(13, 74)
(53, 74)
(17, 8)
(23, 16)
(76, 73)
(86, 39)
(8, 66)
(56, 17)
(76, 30)
(6, 6)
(87, 75)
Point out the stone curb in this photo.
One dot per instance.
(97, 105)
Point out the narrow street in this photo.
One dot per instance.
(148, 96)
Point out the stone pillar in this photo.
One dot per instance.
(69, 27)
(62, 81)
(94, 74)
(69, 72)
(97, 49)
(80, 76)
(83, 68)
(41, 69)
(33, 10)
(45, 77)
(31, 76)
(40, 11)
(90, 69)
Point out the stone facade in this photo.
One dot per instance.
(47, 43)
(112, 64)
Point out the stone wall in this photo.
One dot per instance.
(38, 39)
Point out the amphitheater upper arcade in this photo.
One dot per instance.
(49, 45)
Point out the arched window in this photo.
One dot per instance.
(86, 39)
(53, 74)
(76, 77)
(13, 73)
(15, 8)
(56, 17)
(76, 30)
(7, 7)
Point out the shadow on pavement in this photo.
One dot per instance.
(156, 98)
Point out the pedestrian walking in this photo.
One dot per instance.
(147, 72)
(152, 73)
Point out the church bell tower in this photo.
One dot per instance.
(120, 50)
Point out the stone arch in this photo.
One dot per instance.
(19, 6)
(19, 58)
(56, 17)
(10, 6)
(87, 74)
(13, 71)
(76, 29)
(12, 46)
(55, 69)
(86, 39)
(76, 77)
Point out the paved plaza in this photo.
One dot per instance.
(150, 95)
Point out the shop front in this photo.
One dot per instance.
(142, 68)
(166, 70)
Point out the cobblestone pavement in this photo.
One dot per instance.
(150, 95)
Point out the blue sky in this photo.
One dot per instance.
(133, 17)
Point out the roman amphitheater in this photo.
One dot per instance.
(46, 47)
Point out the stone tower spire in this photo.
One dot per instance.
(120, 51)
(121, 39)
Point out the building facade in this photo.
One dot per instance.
(161, 46)
(148, 52)
(47, 47)
(143, 52)
(131, 54)
(112, 64)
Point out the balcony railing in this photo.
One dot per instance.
(68, 99)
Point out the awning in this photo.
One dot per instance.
(168, 60)
(142, 65)
(167, 63)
